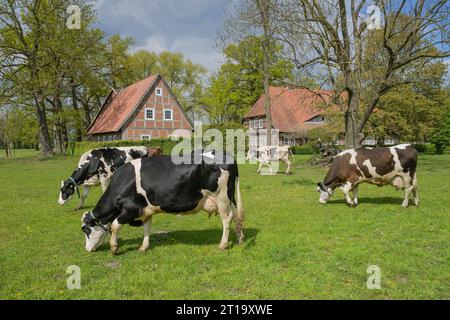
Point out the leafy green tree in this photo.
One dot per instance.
(405, 114)
(410, 112)
(441, 137)
(142, 63)
(185, 78)
(240, 80)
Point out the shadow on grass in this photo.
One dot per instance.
(193, 237)
(378, 200)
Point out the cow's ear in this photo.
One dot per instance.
(93, 166)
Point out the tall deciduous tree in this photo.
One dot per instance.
(240, 80)
(256, 18)
(329, 38)
(185, 78)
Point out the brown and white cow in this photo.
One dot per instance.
(380, 166)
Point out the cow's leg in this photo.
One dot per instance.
(113, 243)
(238, 220)
(288, 163)
(104, 182)
(227, 215)
(259, 168)
(355, 195)
(348, 186)
(83, 197)
(414, 191)
(270, 167)
(408, 190)
(146, 242)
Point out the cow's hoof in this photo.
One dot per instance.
(114, 250)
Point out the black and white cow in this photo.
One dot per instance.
(266, 154)
(380, 166)
(97, 167)
(147, 186)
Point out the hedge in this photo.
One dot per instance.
(303, 149)
(78, 148)
(167, 144)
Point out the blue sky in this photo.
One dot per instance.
(186, 26)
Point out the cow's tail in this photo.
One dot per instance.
(240, 214)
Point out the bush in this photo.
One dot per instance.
(441, 137)
(78, 148)
(420, 147)
(304, 149)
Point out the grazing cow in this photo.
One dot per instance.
(266, 154)
(147, 186)
(380, 166)
(97, 167)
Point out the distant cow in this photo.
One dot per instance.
(147, 186)
(266, 154)
(393, 165)
(97, 167)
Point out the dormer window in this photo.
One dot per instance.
(318, 119)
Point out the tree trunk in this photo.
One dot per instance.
(45, 145)
(78, 133)
(267, 104)
(61, 131)
(353, 134)
(87, 115)
(265, 12)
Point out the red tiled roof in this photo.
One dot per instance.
(112, 116)
(290, 108)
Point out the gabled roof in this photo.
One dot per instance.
(114, 114)
(291, 108)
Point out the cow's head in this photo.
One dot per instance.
(68, 188)
(325, 192)
(94, 231)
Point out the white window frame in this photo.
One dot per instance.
(144, 136)
(261, 123)
(153, 113)
(160, 92)
(171, 115)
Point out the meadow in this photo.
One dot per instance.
(295, 248)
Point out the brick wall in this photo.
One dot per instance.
(157, 128)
